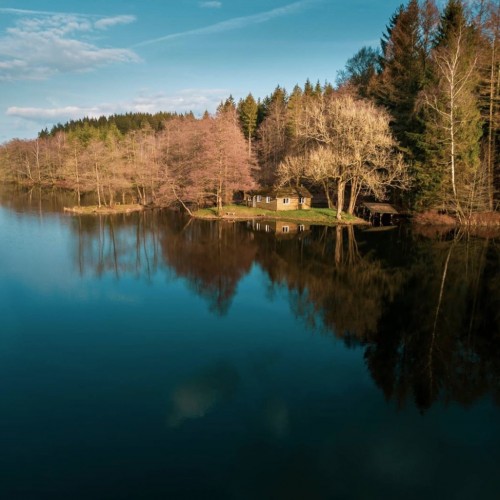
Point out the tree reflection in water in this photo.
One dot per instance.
(119, 244)
(425, 309)
(212, 256)
(440, 338)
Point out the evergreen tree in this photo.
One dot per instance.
(294, 111)
(308, 88)
(261, 112)
(228, 105)
(273, 135)
(403, 74)
(318, 91)
(328, 90)
(487, 23)
(389, 28)
(452, 21)
(247, 113)
(453, 122)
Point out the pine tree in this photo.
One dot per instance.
(247, 113)
(318, 91)
(273, 135)
(228, 105)
(308, 88)
(403, 74)
(295, 107)
(328, 90)
(389, 28)
(451, 22)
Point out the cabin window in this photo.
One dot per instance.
(257, 226)
(302, 200)
(286, 229)
(301, 227)
(286, 201)
(267, 228)
(259, 198)
(268, 199)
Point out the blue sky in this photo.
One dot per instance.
(63, 59)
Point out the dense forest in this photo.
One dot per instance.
(416, 120)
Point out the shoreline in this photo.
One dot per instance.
(334, 222)
(480, 221)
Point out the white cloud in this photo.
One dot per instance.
(24, 12)
(108, 22)
(196, 100)
(57, 113)
(210, 5)
(42, 44)
(235, 23)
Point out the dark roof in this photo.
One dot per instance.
(280, 192)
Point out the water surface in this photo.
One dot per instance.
(150, 356)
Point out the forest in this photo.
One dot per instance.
(415, 120)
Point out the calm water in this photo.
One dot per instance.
(147, 356)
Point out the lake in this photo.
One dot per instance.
(156, 357)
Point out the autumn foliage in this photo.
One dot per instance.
(188, 161)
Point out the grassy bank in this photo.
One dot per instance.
(314, 215)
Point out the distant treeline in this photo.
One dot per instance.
(124, 123)
(416, 119)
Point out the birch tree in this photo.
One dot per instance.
(454, 125)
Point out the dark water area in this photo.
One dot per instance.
(151, 356)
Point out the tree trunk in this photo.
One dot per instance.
(219, 199)
(340, 198)
(28, 168)
(354, 195)
(98, 185)
(326, 188)
(37, 157)
(77, 178)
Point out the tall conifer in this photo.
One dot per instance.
(248, 112)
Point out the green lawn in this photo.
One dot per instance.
(318, 215)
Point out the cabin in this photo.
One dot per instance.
(280, 199)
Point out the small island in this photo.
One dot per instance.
(105, 210)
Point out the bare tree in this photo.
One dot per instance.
(348, 144)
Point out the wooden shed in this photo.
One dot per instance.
(278, 199)
(373, 210)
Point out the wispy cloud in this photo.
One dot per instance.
(210, 5)
(195, 100)
(108, 22)
(234, 23)
(25, 12)
(41, 44)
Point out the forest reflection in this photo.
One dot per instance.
(425, 310)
